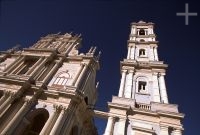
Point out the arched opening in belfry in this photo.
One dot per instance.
(142, 86)
(36, 121)
(74, 130)
(141, 32)
(141, 52)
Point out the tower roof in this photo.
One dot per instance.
(141, 22)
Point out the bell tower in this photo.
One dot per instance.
(142, 107)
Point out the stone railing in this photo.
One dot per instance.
(143, 106)
(152, 106)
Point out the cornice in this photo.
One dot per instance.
(146, 42)
(145, 65)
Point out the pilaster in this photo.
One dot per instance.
(123, 79)
(59, 122)
(163, 90)
(8, 130)
(129, 82)
(110, 125)
(164, 130)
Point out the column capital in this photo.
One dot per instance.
(131, 71)
(155, 73)
(30, 101)
(7, 93)
(177, 132)
(57, 108)
(124, 71)
(161, 74)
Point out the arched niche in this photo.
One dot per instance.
(141, 32)
(36, 120)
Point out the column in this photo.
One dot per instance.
(164, 130)
(59, 122)
(48, 125)
(34, 67)
(177, 132)
(76, 77)
(155, 53)
(122, 125)
(80, 75)
(121, 89)
(38, 66)
(133, 89)
(132, 52)
(6, 103)
(109, 127)
(4, 97)
(151, 57)
(17, 118)
(69, 48)
(51, 72)
(129, 50)
(69, 120)
(156, 93)
(15, 63)
(163, 90)
(128, 86)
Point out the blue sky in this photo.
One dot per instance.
(106, 24)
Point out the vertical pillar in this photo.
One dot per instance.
(51, 72)
(151, 53)
(128, 86)
(4, 97)
(156, 93)
(132, 54)
(36, 66)
(121, 89)
(177, 132)
(133, 89)
(6, 103)
(155, 53)
(164, 130)
(11, 66)
(59, 122)
(80, 76)
(76, 77)
(122, 124)
(109, 127)
(17, 118)
(163, 91)
(69, 120)
(129, 51)
(48, 125)
(15, 63)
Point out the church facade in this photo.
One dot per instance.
(50, 89)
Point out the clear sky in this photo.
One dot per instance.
(106, 24)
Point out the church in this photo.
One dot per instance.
(50, 88)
